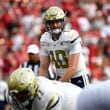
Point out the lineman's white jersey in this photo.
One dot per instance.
(59, 51)
(60, 96)
(54, 95)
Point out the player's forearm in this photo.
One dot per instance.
(8, 107)
(68, 75)
(42, 72)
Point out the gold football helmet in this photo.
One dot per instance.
(52, 15)
(22, 85)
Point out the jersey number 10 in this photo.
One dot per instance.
(60, 58)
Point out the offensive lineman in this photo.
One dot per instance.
(28, 92)
(63, 48)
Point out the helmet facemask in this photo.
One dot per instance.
(21, 96)
(21, 99)
(55, 27)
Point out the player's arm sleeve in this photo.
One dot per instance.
(75, 46)
(54, 103)
(44, 43)
(75, 42)
(43, 50)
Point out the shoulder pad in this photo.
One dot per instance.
(73, 34)
(45, 37)
(70, 35)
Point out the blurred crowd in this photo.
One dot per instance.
(21, 23)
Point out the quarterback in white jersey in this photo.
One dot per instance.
(63, 48)
(28, 92)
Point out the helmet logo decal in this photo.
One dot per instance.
(23, 78)
(53, 12)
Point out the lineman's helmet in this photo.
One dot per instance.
(22, 85)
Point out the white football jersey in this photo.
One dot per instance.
(95, 97)
(54, 95)
(59, 51)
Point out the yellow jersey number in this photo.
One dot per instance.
(60, 58)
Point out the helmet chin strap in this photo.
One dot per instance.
(56, 31)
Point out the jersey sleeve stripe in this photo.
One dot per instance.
(74, 40)
(52, 106)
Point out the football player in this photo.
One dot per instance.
(28, 92)
(63, 48)
(95, 97)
